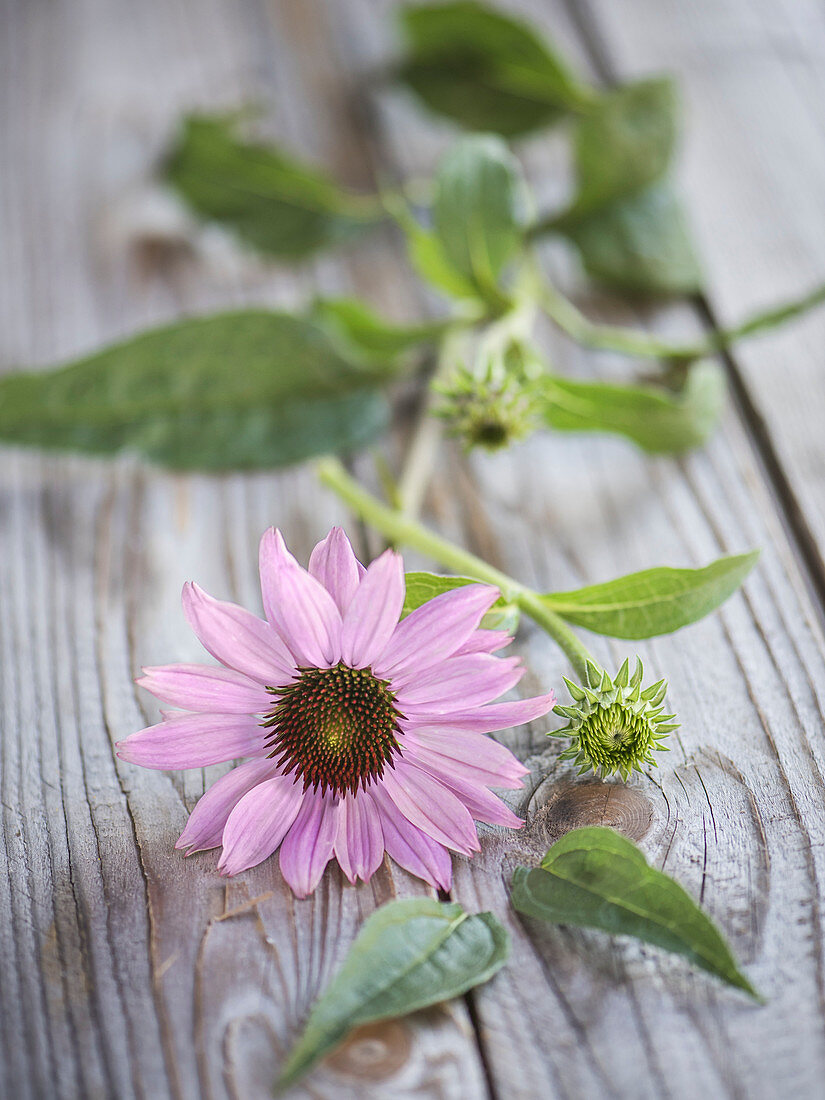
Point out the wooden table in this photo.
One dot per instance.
(127, 971)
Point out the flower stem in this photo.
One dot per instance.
(428, 433)
(574, 650)
(514, 324)
(629, 342)
(403, 529)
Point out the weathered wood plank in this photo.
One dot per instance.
(120, 975)
(753, 173)
(736, 811)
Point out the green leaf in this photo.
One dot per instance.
(478, 223)
(485, 70)
(595, 878)
(422, 587)
(625, 220)
(428, 258)
(409, 954)
(365, 337)
(624, 143)
(239, 390)
(657, 421)
(478, 210)
(639, 244)
(274, 202)
(655, 601)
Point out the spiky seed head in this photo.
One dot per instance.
(488, 413)
(614, 724)
(334, 728)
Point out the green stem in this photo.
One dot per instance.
(402, 529)
(574, 650)
(514, 324)
(550, 223)
(629, 342)
(418, 465)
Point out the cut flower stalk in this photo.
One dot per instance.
(615, 724)
(402, 530)
(645, 345)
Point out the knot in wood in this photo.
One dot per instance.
(578, 805)
(373, 1052)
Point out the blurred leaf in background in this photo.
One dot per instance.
(640, 244)
(659, 421)
(362, 335)
(241, 390)
(272, 201)
(624, 143)
(486, 70)
(625, 219)
(479, 210)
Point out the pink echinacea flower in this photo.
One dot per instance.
(366, 731)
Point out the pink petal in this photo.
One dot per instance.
(259, 823)
(373, 614)
(458, 683)
(465, 755)
(359, 842)
(499, 716)
(237, 638)
(193, 741)
(483, 804)
(309, 844)
(205, 826)
(484, 641)
(409, 847)
(298, 606)
(430, 806)
(435, 630)
(199, 687)
(334, 564)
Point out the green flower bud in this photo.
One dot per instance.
(487, 413)
(614, 725)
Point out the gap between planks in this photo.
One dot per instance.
(800, 534)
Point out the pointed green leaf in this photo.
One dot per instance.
(409, 954)
(478, 210)
(624, 219)
(639, 244)
(238, 390)
(658, 421)
(273, 201)
(485, 70)
(655, 601)
(365, 337)
(624, 143)
(429, 259)
(595, 878)
(422, 587)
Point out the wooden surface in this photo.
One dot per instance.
(127, 971)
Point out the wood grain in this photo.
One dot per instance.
(736, 809)
(120, 977)
(128, 971)
(753, 174)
